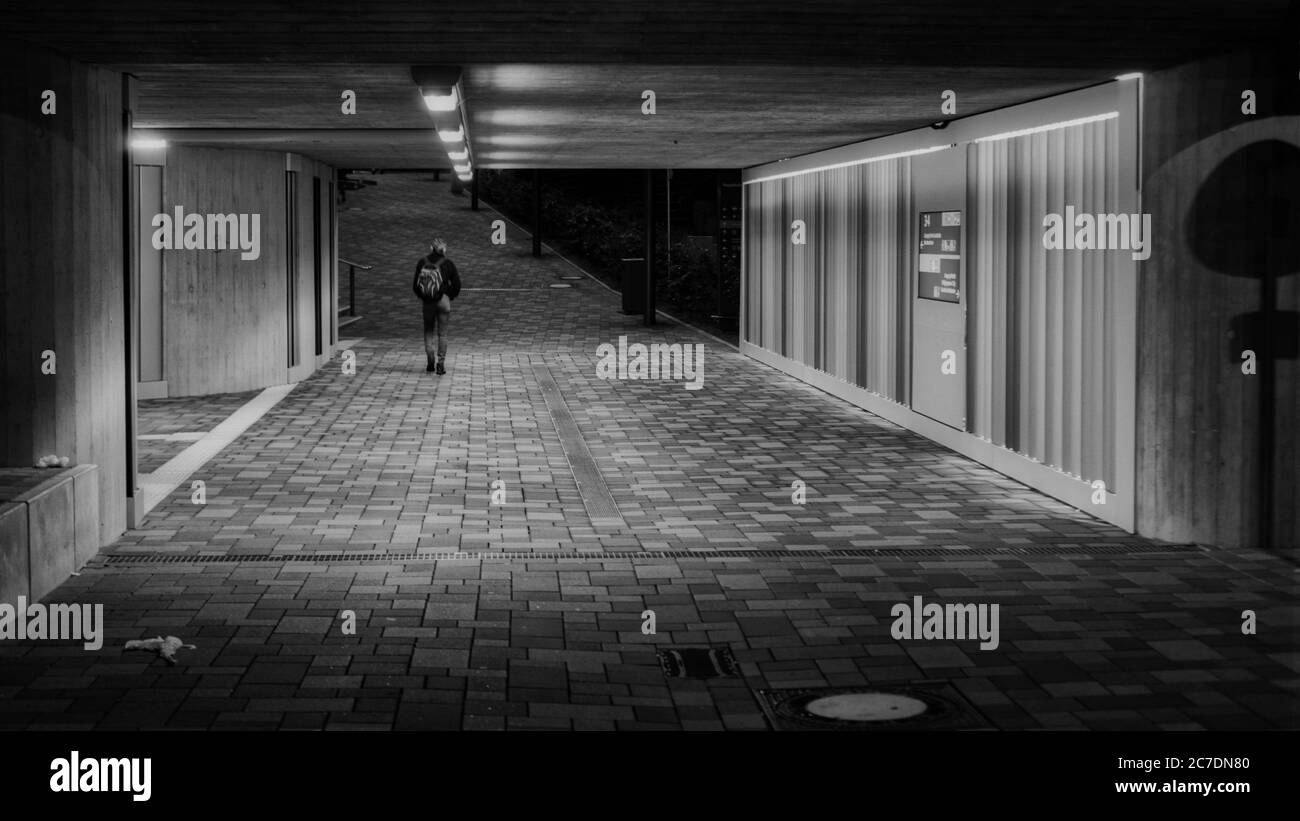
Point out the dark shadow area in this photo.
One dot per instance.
(596, 219)
(1244, 223)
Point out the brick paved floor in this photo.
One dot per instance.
(168, 426)
(541, 627)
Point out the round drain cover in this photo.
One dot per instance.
(866, 707)
(561, 285)
(914, 706)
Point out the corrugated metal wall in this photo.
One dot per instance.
(839, 302)
(1039, 347)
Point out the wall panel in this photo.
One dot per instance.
(226, 318)
(1049, 338)
(1053, 326)
(831, 302)
(221, 312)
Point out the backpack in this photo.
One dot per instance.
(430, 282)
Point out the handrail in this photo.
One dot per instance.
(352, 283)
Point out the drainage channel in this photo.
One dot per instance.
(372, 557)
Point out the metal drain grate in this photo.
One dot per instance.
(377, 557)
(698, 662)
(921, 705)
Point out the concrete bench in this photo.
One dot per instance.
(49, 527)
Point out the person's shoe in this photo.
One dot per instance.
(441, 369)
(429, 366)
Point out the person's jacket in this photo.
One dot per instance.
(450, 276)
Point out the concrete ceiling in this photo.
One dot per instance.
(558, 84)
(572, 116)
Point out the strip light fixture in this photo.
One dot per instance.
(440, 88)
(437, 101)
(850, 163)
(1005, 135)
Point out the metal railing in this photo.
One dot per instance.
(352, 283)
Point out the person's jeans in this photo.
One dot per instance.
(436, 316)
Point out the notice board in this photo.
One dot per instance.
(939, 265)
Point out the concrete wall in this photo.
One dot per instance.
(225, 319)
(62, 271)
(1223, 187)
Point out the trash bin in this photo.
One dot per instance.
(633, 285)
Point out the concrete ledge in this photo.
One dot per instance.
(51, 536)
(48, 529)
(15, 571)
(85, 512)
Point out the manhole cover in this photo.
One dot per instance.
(698, 662)
(866, 707)
(916, 706)
(560, 285)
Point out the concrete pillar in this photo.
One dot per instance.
(64, 369)
(649, 248)
(537, 213)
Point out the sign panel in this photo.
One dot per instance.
(939, 267)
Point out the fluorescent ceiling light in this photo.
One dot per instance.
(442, 102)
(453, 136)
(515, 139)
(145, 142)
(911, 153)
(466, 177)
(1007, 135)
(459, 155)
(461, 169)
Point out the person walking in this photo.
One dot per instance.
(436, 283)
